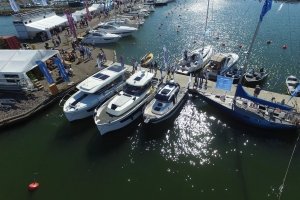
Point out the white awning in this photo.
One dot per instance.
(47, 23)
(22, 61)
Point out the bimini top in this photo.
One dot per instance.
(101, 78)
(219, 57)
(140, 78)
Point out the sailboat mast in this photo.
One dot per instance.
(206, 21)
(250, 50)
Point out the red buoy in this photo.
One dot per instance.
(33, 186)
(284, 46)
(240, 46)
(223, 44)
(269, 42)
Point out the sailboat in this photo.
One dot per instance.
(250, 109)
(197, 58)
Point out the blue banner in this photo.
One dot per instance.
(267, 6)
(44, 70)
(61, 69)
(224, 83)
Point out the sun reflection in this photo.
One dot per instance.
(190, 139)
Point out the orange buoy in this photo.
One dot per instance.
(284, 46)
(33, 186)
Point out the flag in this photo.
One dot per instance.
(14, 6)
(43, 68)
(71, 23)
(61, 69)
(88, 15)
(224, 83)
(267, 6)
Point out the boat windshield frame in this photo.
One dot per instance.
(135, 90)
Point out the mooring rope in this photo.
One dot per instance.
(281, 187)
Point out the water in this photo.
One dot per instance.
(200, 154)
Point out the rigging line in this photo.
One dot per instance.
(289, 16)
(281, 187)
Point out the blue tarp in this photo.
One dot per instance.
(240, 92)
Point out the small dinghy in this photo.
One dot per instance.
(147, 59)
(292, 83)
(253, 78)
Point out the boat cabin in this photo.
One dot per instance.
(168, 93)
(138, 83)
(103, 80)
(216, 62)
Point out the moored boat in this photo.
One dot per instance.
(235, 73)
(220, 64)
(127, 105)
(194, 60)
(292, 83)
(168, 100)
(94, 91)
(147, 59)
(253, 78)
(100, 37)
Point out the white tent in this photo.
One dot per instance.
(46, 23)
(93, 8)
(15, 63)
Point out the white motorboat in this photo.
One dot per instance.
(100, 37)
(219, 64)
(194, 60)
(115, 29)
(123, 22)
(126, 106)
(168, 100)
(292, 83)
(94, 91)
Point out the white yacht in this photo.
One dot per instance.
(126, 106)
(94, 91)
(292, 83)
(123, 22)
(194, 60)
(116, 29)
(100, 37)
(219, 64)
(168, 100)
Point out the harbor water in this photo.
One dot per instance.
(198, 154)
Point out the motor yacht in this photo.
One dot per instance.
(219, 64)
(100, 37)
(127, 105)
(116, 29)
(93, 91)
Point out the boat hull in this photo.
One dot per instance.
(168, 115)
(240, 115)
(119, 124)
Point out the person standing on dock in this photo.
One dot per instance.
(256, 91)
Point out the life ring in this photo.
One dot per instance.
(33, 186)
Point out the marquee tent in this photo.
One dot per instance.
(16, 63)
(46, 23)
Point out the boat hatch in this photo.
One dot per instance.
(101, 76)
(116, 68)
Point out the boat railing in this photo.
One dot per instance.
(270, 113)
(66, 97)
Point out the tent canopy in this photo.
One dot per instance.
(22, 61)
(47, 23)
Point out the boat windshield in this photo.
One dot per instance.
(161, 97)
(134, 90)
